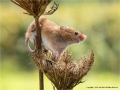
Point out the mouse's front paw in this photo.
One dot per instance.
(49, 53)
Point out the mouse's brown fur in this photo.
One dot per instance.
(54, 37)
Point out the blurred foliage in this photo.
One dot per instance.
(29, 81)
(76, 0)
(99, 21)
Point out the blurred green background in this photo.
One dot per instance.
(98, 19)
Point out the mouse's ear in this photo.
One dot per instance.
(63, 28)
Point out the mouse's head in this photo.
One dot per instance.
(71, 35)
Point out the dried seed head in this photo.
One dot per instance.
(63, 71)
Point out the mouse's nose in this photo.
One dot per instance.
(85, 36)
(82, 37)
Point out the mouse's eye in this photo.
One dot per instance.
(76, 33)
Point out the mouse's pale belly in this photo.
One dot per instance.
(47, 45)
(44, 41)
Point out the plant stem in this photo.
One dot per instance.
(38, 33)
(41, 82)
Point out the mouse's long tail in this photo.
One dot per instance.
(27, 45)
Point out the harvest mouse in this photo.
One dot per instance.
(55, 38)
